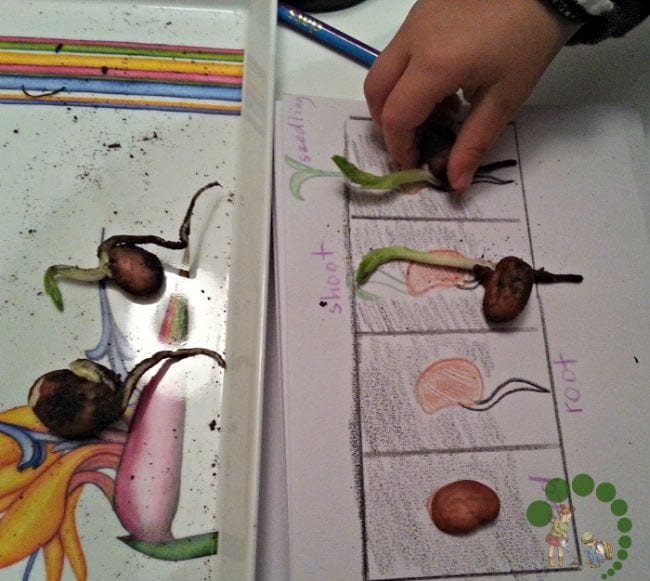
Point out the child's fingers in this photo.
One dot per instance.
(382, 77)
(408, 105)
(487, 119)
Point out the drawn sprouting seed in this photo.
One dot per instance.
(302, 174)
(419, 279)
(358, 291)
(458, 382)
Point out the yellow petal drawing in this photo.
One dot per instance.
(70, 537)
(20, 416)
(12, 480)
(53, 553)
(8, 499)
(36, 516)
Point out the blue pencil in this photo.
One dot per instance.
(327, 35)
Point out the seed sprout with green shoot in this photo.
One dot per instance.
(136, 271)
(375, 258)
(435, 139)
(507, 284)
(86, 398)
(387, 182)
(423, 174)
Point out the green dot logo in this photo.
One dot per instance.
(540, 514)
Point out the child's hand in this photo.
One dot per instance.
(494, 50)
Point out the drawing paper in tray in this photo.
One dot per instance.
(398, 387)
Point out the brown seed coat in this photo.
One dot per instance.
(463, 506)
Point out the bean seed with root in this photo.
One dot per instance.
(135, 270)
(86, 398)
(508, 284)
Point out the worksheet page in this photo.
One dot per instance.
(399, 386)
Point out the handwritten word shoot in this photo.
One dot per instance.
(334, 279)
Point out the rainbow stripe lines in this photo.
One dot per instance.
(121, 75)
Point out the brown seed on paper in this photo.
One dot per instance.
(507, 289)
(463, 506)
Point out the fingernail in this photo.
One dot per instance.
(463, 182)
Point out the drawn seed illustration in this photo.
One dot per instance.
(448, 383)
(463, 506)
(421, 278)
(458, 382)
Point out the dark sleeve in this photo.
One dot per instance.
(602, 19)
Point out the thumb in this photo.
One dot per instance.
(487, 118)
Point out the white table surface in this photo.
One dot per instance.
(615, 71)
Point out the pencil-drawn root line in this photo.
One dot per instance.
(486, 404)
(456, 381)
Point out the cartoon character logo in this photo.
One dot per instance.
(557, 538)
(540, 513)
(597, 551)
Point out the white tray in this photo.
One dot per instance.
(99, 164)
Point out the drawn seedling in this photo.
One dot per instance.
(302, 173)
(507, 284)
(136, 271)
(88, 397)
(458, 382)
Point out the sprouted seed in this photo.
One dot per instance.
(507, 284)
(423, 174)
(375, 258)
(86, 398)
(435, 139)
(387, 182)
(136, 271)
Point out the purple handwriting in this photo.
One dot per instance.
(333, 283)
(540, 480)
(571, 392)
(296, 122)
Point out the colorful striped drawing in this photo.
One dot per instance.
(131, 75)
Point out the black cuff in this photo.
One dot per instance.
(569, 9)
(623, 17)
